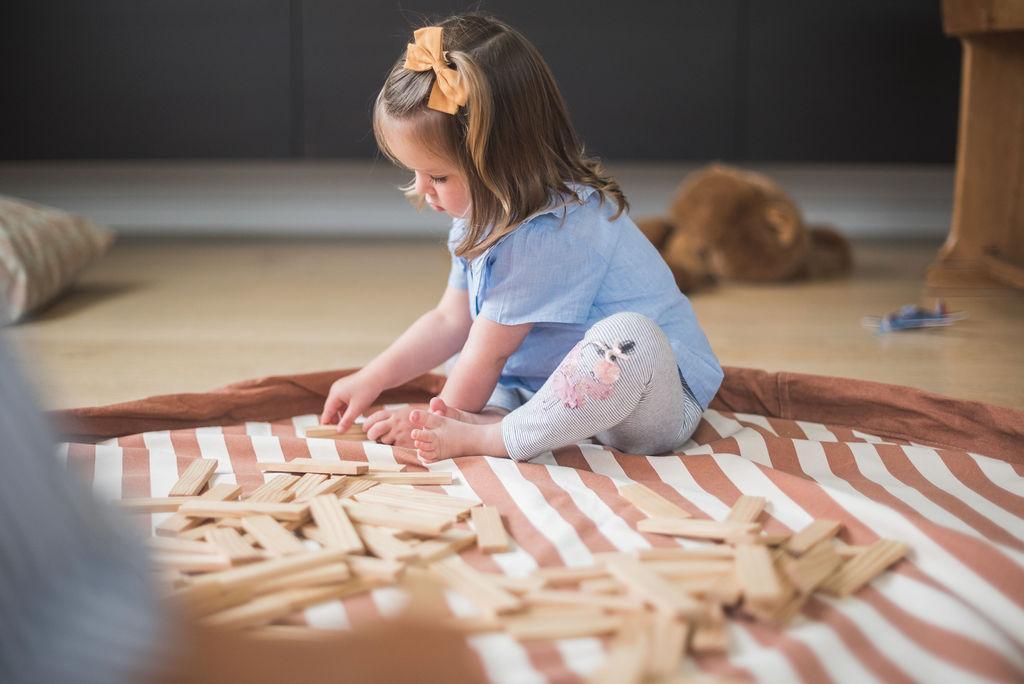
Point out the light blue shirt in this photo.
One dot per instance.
(565, 276)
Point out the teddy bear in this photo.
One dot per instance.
(726, 222)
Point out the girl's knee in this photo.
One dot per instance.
(625, 323)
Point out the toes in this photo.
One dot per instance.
(438, 406)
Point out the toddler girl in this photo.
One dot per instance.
(567, 322)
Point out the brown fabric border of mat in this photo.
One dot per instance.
(888, 411)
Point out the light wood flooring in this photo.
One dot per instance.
(174, 315)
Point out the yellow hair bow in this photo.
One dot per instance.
(449, 92)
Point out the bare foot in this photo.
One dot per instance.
(486, 417)
(438, 437)
(391, 426)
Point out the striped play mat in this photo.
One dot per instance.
(944, 476)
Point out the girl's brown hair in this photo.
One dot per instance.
(513, 139)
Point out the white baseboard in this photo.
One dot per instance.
(282, 198)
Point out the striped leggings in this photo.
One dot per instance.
(620, 384)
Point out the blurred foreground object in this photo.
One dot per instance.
(985, 247)
(42, 251)
(77, 603)
(726, 222)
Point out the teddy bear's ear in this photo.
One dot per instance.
(784, 219)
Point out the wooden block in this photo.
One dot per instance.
(270, 607)
(487, 596)
(809, 570)
(650, 502)
(454, 502)
(384, 516)
(651, 587)
(602, 585)
(756, 575)
(331, 431)
(709, 552)
(307, 482)
(274, 489)
(335, 525)
(178, 523)
(241, 509)
(848, 550)
(710, 638)
(561, 597)
(331, 485)
(696, 529)
(353, 485)
(195, 477)
(559, 575)
(384, 544)
(746, 509)
(192, 562)
(196, 533)
(271, 536)
(566, 626)
(628, 654)
(817, 531)
(516, 585)
(861, 569)
(154, 504)
(490, 533)
(667, 638)
(333, 573)
(401, 500)
(176, 545)
(371, 568)
(231, 544)
(312, 465)
(450, 541)
(439, 478)
(246, 577)
(677, 569)
(297, 633)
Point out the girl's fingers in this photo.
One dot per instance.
(377, 430)
(331, 408)
(350, 415)
(376, 416)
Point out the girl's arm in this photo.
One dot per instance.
(478, 368)
(431, 340)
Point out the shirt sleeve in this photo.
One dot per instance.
(457, 275)
(543, 272)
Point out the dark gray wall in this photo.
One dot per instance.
(794, 80)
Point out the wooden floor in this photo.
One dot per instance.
(162, 315)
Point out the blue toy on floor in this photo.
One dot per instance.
(911, 316)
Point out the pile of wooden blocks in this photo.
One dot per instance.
(324, 530)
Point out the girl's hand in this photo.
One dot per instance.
(352, 394)
(391, 426)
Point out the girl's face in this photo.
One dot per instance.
(438, 180)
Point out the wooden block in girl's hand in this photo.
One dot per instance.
(335, 525)
(331, 432)
(650, 502)
(311, 465)
(490, 533)
(195, 477)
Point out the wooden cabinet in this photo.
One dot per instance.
(985, 247)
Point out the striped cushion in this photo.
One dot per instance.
(42, 251)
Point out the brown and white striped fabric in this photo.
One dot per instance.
(945, 476)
